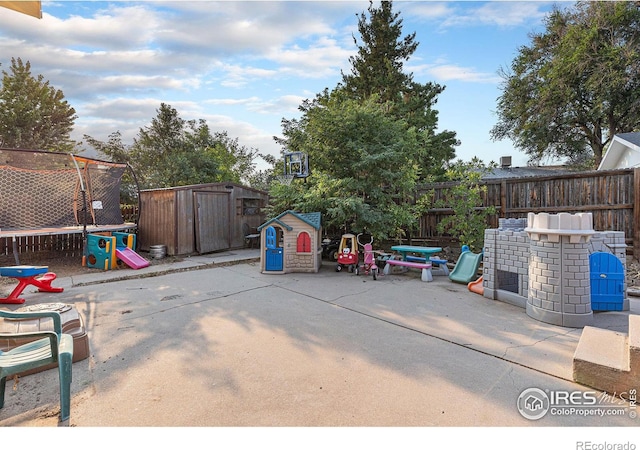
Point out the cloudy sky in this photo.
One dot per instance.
(244, 66)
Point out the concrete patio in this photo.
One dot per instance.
(212, 342)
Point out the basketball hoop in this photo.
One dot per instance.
(285, 179)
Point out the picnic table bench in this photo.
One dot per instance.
(439, 265)
(407, 260)
(424, 266)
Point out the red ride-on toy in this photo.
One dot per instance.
(347, 253)
(369, 264)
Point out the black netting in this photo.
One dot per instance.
(44, 190)
(104, 185)
(33, 199)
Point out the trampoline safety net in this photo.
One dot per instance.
(45, 190)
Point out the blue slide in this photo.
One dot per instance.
(466, 269)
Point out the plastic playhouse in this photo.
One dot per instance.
(103, 252)
(556, 267)
(291, 242)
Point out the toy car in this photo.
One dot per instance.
(347, 253)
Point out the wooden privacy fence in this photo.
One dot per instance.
(608, 195)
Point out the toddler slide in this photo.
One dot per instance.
(466, 269)
(131, 258)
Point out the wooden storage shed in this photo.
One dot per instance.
(199, 218)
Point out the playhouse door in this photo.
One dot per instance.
(607, 282)
(274, 256)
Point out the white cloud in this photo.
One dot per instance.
(451, 15)
(449, 72)
(287, 104)
(241, 65)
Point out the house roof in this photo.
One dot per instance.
(623, 152)
(633, 138)
(522, 172)
(313, 219)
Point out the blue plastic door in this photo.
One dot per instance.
(274, 256)
(607, 282)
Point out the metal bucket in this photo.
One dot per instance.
(158, 251)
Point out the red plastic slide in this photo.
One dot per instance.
(131, 258)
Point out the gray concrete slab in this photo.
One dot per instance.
(221, 344)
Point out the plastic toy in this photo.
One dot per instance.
(369, 260)
(347, 253)
(330, 247)
(38, 276)
(466, 269)
(476, 286)
(125, 245)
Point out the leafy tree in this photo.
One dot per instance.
(576, 85)
(465, 197)
(370, 139)
(363, 171)
(172, 151)
(116, 151)
(33, 114)
(261, 179)
(377, 70)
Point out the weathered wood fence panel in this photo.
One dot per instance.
(608, 195)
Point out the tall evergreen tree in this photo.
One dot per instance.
(33, 114)
(377, 70)
(370, 139)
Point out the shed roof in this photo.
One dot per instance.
(190, 187)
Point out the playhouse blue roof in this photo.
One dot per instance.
(313, 219)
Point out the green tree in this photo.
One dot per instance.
(465, 198)
(377, 70)
(115, 150)
(33, 114)
(171, 151)
(363, 170)
(370, 139)
(576, 85)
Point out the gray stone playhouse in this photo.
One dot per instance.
(549, 265)
(541, 263)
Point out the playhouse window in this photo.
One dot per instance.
(304, 243)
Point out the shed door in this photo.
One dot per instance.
(274, 258)
(212, 221)
(607, 282)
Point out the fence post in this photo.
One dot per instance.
(503, 198)
(636, 213)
